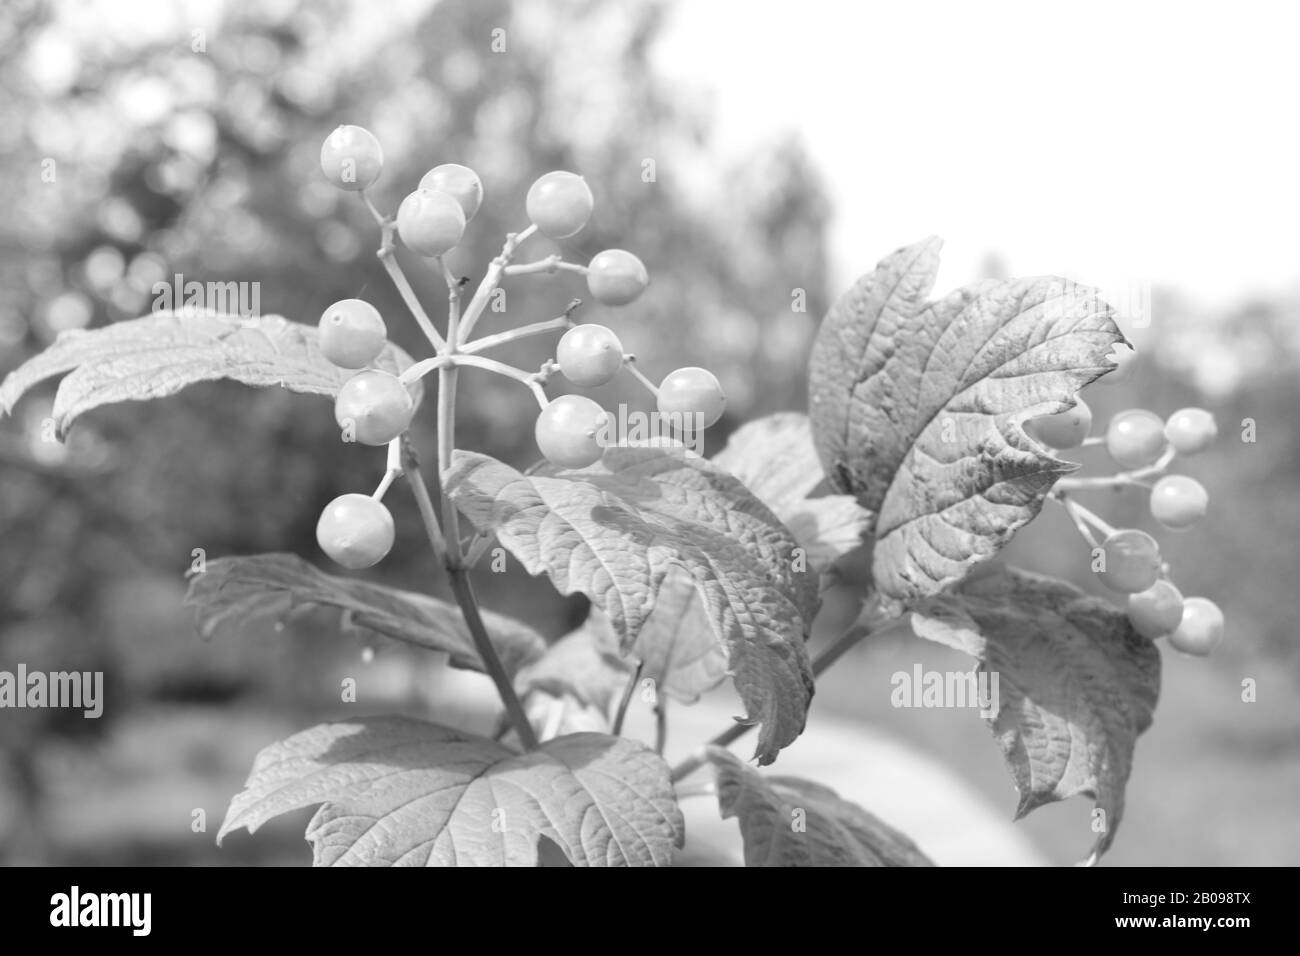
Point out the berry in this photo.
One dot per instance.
(459, 182)
(430, 222)
(1156, 611)
(1201, 628)
(376, 405)
(1065, 429)
(355, 530)
(560, 204)
(1135, 437)
(351, 158)
(1123, 355)
(616, 277)
(1178, 502)
(692, 391)
(352, 333)
(1131, 561)
(589, 355)
(1191, 430)
(569, 431)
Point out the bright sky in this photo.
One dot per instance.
(1114, 142)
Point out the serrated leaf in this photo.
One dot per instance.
(615, 530)
(233, 591)
(399, 792)
(584, 664)
(1076, 683)
(162, 353)
(775, 458)
(789, 821)
(917, 408)
(677, 647)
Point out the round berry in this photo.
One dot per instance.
(1191, 430)
(1065, 429)
(374, 407)
(589, 355)
(1201, 629)
(1156, 611)
(352, 333)
(458, 181)
(1178, 502)
(1130, 561)
(355, 530)
(616, 277)
(692, 391)
(1124, 356)
(560, 204)
(430, 222)
(570, 431)
(351, 158)
(1135, 437)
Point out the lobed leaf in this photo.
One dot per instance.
(1077, 684)
(615, 530)
(918, 407)
(788, 821)
(162, 353)
(399, 792)
(233, 591)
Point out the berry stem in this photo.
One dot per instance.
(661, 723)
(1080, 525)
(478, 303)
(394, 470)
(453, 304)
(530, 379)
(629, 363)
(1120, 479)
(546, 266)
(625, 700)
(556, 324)
(387, 255)
(423, 367)
(464, 593)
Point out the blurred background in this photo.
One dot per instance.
(757, 164)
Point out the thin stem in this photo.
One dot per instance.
(446, 447)
(478, 546)
(564, 321)
(1079, 524)
(393, 471)
(1090, 516)
(478, 303)
(530, 379)
(453, 303)
(1119, 479)
(828, 656)
(464, 593)
(661, 723)
(629, 363)
(545, 266)
(423, 367)
(626, 699)
(387, 256)
(1093, 441)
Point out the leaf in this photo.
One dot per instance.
(1076, 683)
(233, 591)
(776, 460)
(677, 647)
(834, 831)
(162, 353)
(585, 664)
(613, 531)
(399, 792)
(917, 408)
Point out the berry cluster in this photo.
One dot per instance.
(375, 407)
(1127, 560)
